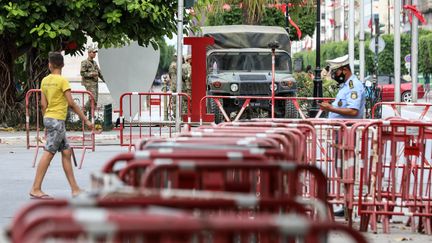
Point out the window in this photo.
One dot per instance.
(247, 61)
(382, 80)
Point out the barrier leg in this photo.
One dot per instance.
(245, 104)
(385, 221)
(413, 222)
(374, 221)
(222, 110)
(365, 219)
(428, 223)
(349, 215)
(35, 157)
(82, 158)
(73, 157)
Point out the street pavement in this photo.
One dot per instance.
(17, 175)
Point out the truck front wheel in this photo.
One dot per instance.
(290, 110)
(218, 117)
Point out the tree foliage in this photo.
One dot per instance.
(30, 29)
(304, 16)
(166, 54)
(425, 53)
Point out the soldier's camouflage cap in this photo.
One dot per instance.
(338, 62)
(92, 49)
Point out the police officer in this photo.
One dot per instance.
(90, 74)
(350, 100)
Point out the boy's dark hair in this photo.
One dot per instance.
(56, 59)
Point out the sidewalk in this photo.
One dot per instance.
(20, 137)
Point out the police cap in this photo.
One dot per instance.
(338, 62)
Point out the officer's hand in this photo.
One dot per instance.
(325, 106)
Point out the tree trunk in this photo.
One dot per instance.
(10, 112)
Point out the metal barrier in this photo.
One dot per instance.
(247, 99)
(164, 225)
(396, 105)
(289, 141)
(85, 141)
(396, 176)
(140, 118)
(276, 179)
(305, 128)
(117, 162)
(202, 203)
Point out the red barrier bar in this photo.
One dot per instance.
(395, 105)
(129, 139)
(396, 174)
(85, 142)
(207, 203)
(247, 101)
(180, 226)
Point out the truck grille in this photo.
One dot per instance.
(252, 77)
(254, 89)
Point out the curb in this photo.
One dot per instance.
(23, 139)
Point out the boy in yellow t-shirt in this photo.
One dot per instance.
(55, 99)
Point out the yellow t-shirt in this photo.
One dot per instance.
(53, 87)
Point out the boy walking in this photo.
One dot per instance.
(55, 99)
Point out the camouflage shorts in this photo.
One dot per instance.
(56, 135)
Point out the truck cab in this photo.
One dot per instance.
(240, 64)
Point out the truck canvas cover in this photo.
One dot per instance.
(246, 36)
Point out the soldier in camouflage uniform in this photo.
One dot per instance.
(90, 74)
(172, 71)
(187, 81)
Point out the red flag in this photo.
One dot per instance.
(416, 12)
(370, 23)
(332, 22)
(299, 33)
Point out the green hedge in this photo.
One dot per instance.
(385, 58)
(305, 86)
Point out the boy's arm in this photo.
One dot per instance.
(44, 103)
(76, 109)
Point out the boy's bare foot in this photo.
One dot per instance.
(77, 192)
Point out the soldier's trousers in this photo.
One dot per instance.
(92, 88)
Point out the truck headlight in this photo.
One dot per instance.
(287, 83)
(234, 87)
(275, 87)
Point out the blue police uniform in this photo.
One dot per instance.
(351, 95)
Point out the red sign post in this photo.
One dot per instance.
(199, 73)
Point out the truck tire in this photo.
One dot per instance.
(218, 117)
(290, 110)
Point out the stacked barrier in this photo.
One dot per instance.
(268, 168)
(395, 178)
(257, 181)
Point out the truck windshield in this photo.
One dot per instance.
(247, 61)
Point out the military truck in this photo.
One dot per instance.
(240, 64)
